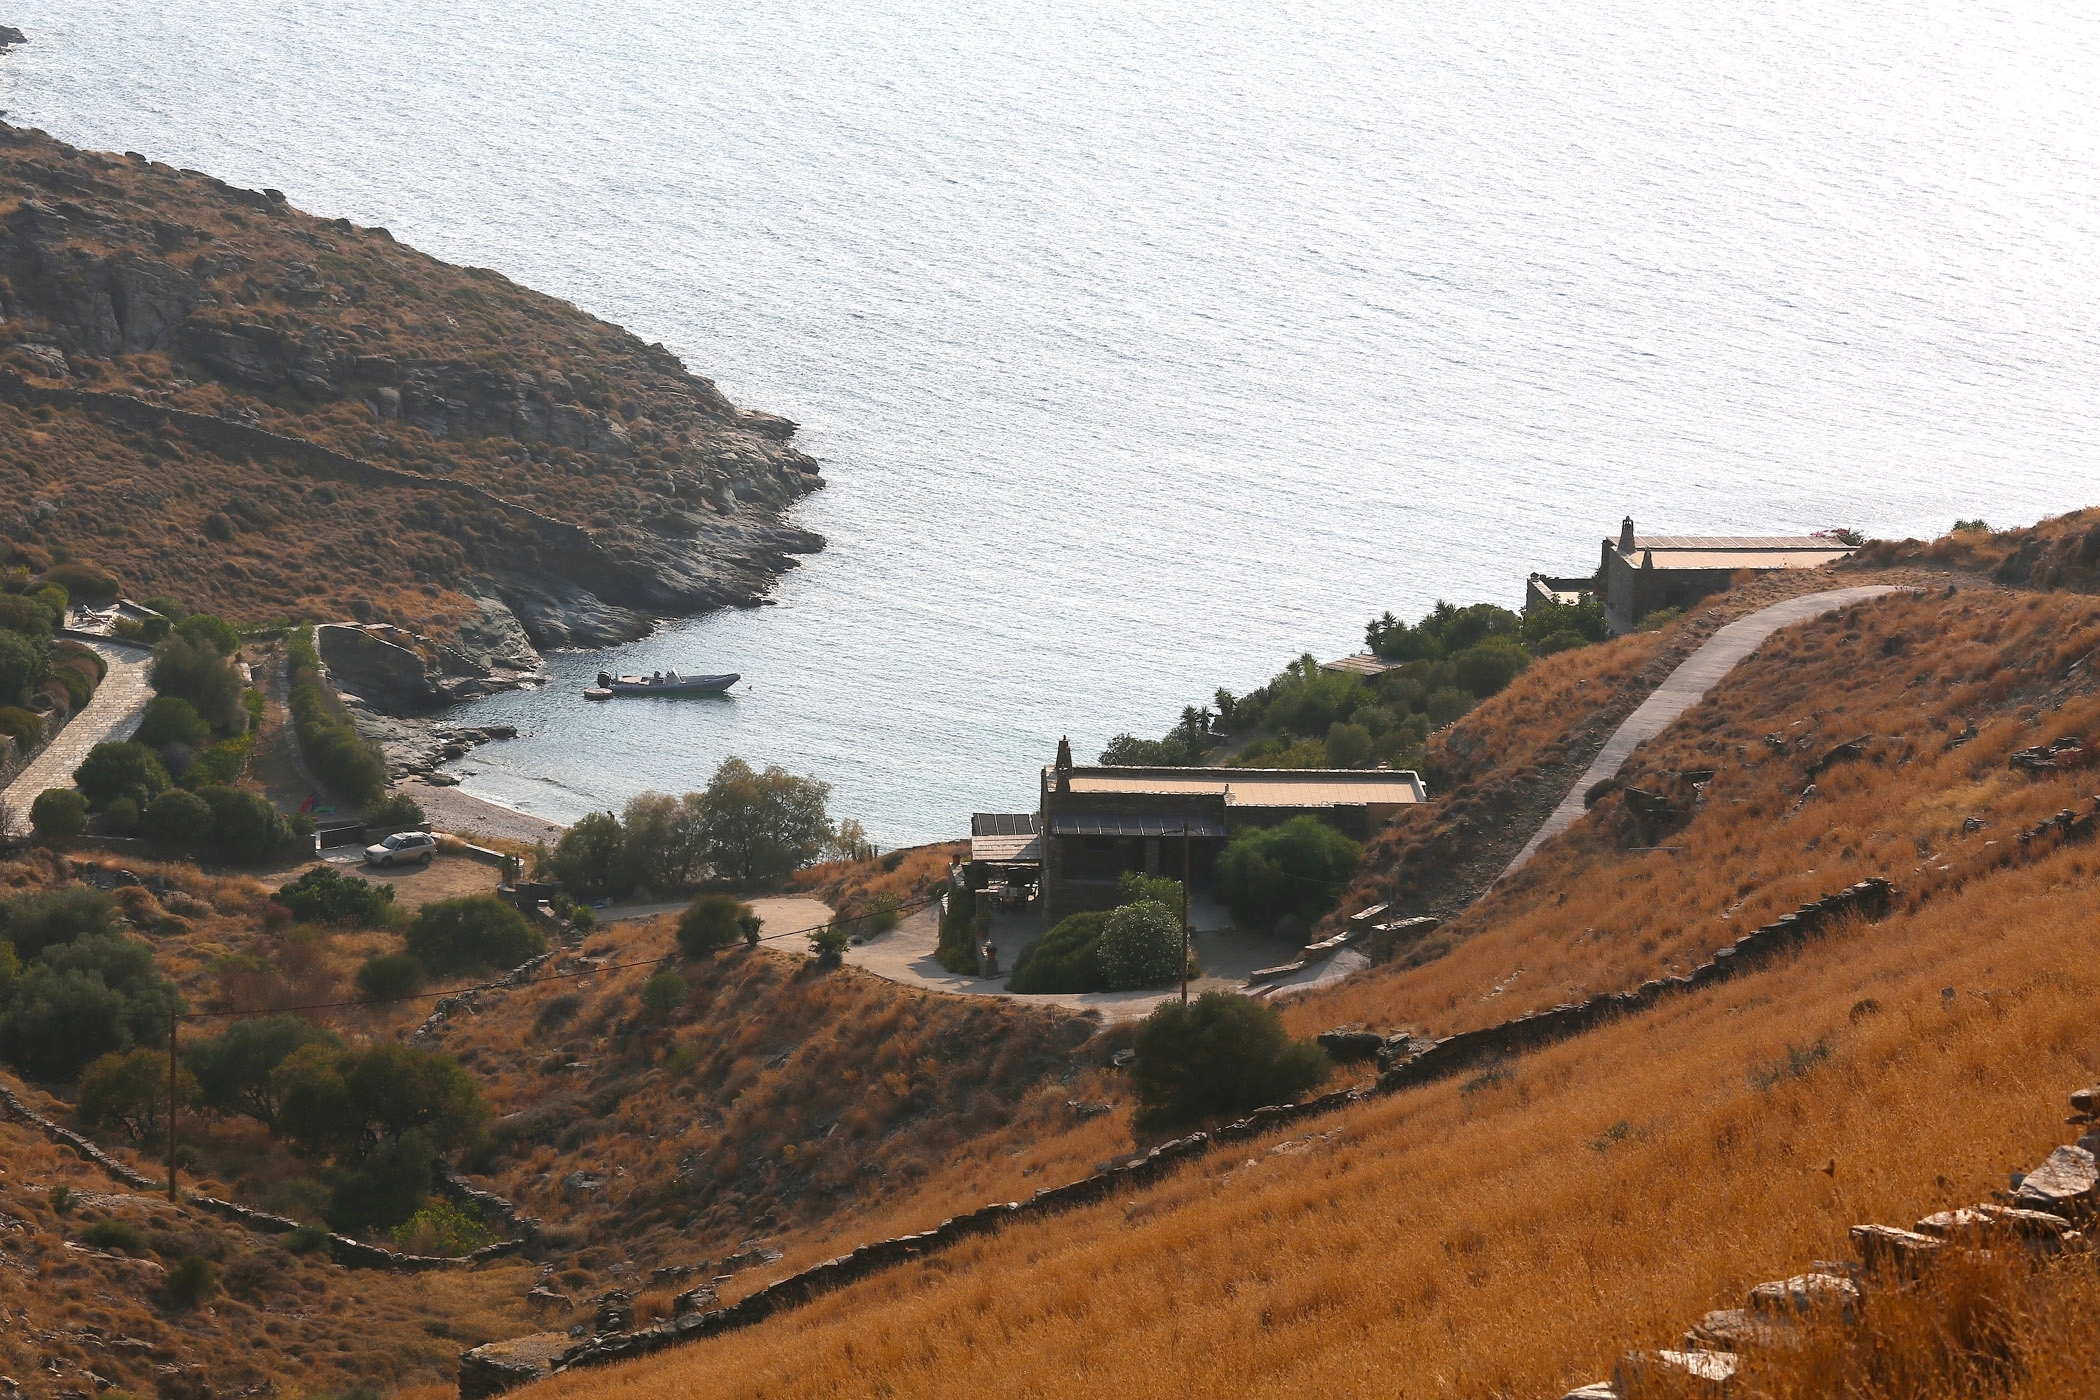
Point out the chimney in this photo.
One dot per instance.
(1647, 558)
(1626, 535)
(1064, 755)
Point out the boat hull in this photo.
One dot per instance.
(684, 685)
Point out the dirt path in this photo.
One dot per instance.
(113, 713)
(1683, 688)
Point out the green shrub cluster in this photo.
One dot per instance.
(1066, 959)
(72, 988)
(713, 922)
(956, 948)
(1216, 1058)
(1298, 867)
(1141, 946)
(324, 895)
(237, 1070)
(227, 823)
(390, 977)
(474, 933)
(340, 756)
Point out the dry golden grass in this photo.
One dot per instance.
(1509, 1233)
(849, 886)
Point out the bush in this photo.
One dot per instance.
(1066, 959)
(193, 1282)
(1217, 1057)
(115, 1237)
(341, 758)
(323, 895)
(83, 1000)
(1141, 946)
(58, 814)
(24, 663)
(179, 818)
(48, 918)
(709, 924)
(1298, 867)
(221, 765)
(309, 1239)
(195, 670)
(473, 933)
(956, 949)
(661, 837)
(83, 581)
(394, 812)
(237, 1069)
(390, 977)
(25, 727)
(591, 858)
(663, 994)
(31, 617)
(216, 632)
(1486, 668)
(1348, 745)
(111, 771)
(130, 1092)
(828, 945)
(441, 1229)
(1446, 704)
(245, 829)
(1133, 886)
(170, 719)
(121, 817)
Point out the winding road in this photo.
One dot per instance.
(113, 713)
(1683, 688)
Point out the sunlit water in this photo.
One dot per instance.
(1147, 346)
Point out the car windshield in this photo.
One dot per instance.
(392, 843)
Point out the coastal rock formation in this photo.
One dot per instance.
(271, 414)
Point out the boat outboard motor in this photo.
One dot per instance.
(605, 680)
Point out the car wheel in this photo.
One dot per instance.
(388, 862)
(426, 857)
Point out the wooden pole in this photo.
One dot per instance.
(173, 1021)
(1185, 914)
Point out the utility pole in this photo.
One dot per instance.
(1184, 912)
(173, 1022)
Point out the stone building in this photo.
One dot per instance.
(1641, 574)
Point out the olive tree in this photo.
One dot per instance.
(755, 827)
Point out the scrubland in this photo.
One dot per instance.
(1512, 1231)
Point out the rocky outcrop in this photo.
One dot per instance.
(500, 1366)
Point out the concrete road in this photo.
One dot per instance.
(113, 713)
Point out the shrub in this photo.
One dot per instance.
(591, 858)
(237, 1069)
(82, 1000)
(1135, 885)
(78, 685)
(710, 924)
(46, 918)
(441, 1229)
(25, 727)
(956, 949)
(1348, 745)
(341, 758)
(24, 663)
(1141, 946)
(130, 1092)
(1217, 1057)
(1486, 668)
(167, 607)
(111, 771)
(216, 632)
(245, 828)
(661, 838)
(323, 895)
(121, 817)
(828, 945)
(193, 1282)
(58, 814)
(390, 977)
(218, 766)
(31, 617)
(473, 933)
(394, 812)
(1446, 704)
(83, 581)
(179, 818)
(115, 1237)
(663, 994)
(1066, 959)
(1298, 867)
(170, 719)
(195, 670)
(309, 1239)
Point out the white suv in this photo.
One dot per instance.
(401, 848)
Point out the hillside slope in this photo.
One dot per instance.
(1509, 1231)
(268, 414)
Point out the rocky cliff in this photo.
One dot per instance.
(218, 397)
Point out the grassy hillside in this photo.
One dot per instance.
(1511, 1231)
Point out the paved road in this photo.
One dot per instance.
(112, 714)
(1685, 687)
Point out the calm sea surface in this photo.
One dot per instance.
(1148, 346)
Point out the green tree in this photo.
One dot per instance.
(476, 932)
(178, 818)
(590, 860)
(245, 828)
(1141, 946)
(1217, 1057)
(761, 826)
(236, 1071)
(83, 581)
(215, 632)
(1298, 867)
(1486, 668)
(82, 1000)
(663, 994)
(111, 771)
(1348, 745)
(662, 841)
(709, 924)
(323, 895)
(194, 669)
(348, 1105)
(25, 727)
(394, 812)
(170, 719)
(390, 977)
(1066, 959)
(129, 1091)
(24, 662)
(43, 919)
(58, 814)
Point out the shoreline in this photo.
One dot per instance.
(464, 814)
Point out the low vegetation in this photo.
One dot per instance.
(1215, 1058)
(340, 757)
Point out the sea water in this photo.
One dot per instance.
(1148, 346)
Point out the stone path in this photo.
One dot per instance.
(1685, 687)
(113, 713)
